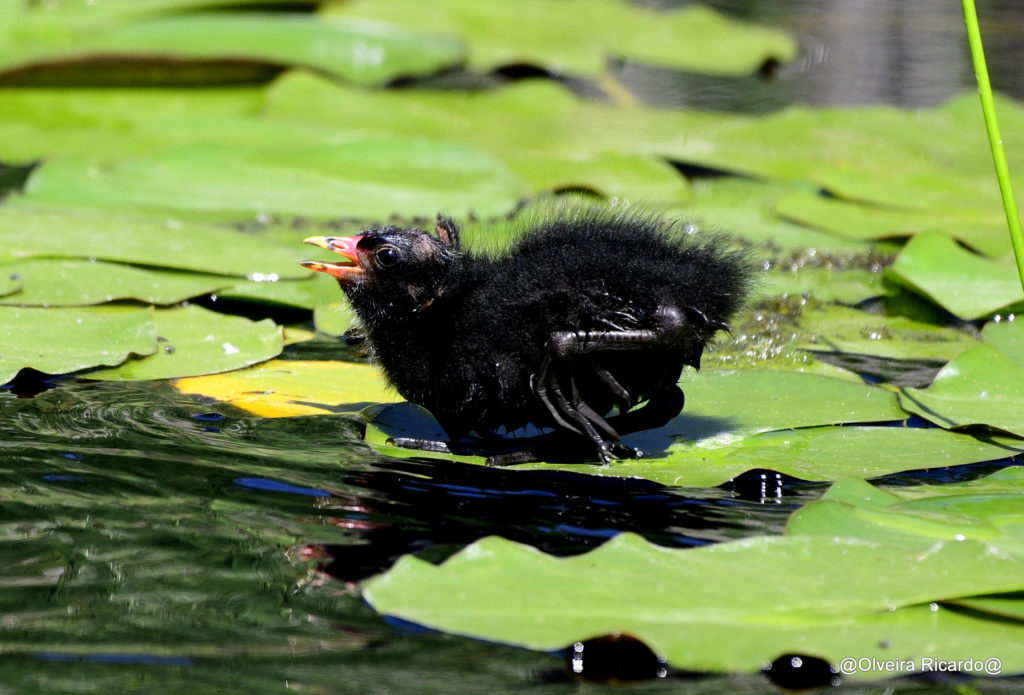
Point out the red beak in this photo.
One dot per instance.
(344, 245)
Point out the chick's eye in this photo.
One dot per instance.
(387, 256)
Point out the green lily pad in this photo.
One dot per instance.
(334, 318)
(982, 228)
(52, 282)
(853, 508)
(811, 453)
(744, 208)
(1008, 336)
(193, 341)
(365, 177)
(722, 407)
(304, 294)
(850, 286)
(529, 116)
(980, 387)
(142, 240)
(830, 597)
(621, 177)
(842, 329)
(9, 284)
(959, 281)
(57, 341)
(547, 34)
(358, 51)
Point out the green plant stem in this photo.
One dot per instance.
(995, 140)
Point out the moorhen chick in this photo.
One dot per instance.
(587, 311)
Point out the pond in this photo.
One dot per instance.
(165, 540)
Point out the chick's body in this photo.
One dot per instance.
(575, 298)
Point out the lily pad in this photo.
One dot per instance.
(359, 51)
(724, 406)
(52, 282)
(547, 34)
(830, 597)
(530, 116)
(980, 387)
(849, 286)
(364, 177)
(193, 340)
(620, 177)
(334, 318)
(744, 208)
(304, 294)
(156, 241)
(842, 329)
(981, 228)
(1008, 336)
(283, 388)
(57, 341)
(853, 508)
(9, 284)
(810, 453)
(959, 281)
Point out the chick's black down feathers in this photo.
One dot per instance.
(588, 311)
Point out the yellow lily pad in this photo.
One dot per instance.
(282, 388)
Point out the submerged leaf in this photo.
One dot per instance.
(193, 340)
(57, 341)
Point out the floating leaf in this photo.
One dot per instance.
(841, 329)
(830, 597)
(623, 177)
(547, 34)
(304, 294)
(50, 282)
(193, 340)
(282, 388)
(724, 406)
(959, 281)
(810, 453)
(849, 286)
(57, 341)
(980, 387)
(364, 177)
(333, 318)
(1008, 336)
(358, 51)
(853, 508)
(982, 228)
(9, 283)
(530, 116)
(143, 240)
(744, 208)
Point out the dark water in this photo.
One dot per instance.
(153, 541)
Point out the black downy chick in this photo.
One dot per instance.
(588, 311)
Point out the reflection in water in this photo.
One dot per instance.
(853, 52)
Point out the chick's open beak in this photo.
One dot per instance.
(344, 245)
